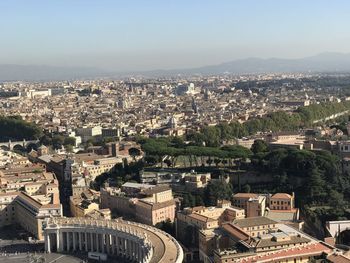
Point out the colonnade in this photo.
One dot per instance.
(131, 241)
(108, 241)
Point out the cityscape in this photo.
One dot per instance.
(131, 135)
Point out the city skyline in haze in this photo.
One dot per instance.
(148, 35)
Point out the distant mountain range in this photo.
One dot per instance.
(324, 62)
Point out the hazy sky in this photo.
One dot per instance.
(154, 34)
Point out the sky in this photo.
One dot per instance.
(126, 35)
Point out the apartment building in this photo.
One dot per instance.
(28, 195)
(253, 238)
(30, 212)
(279, 206)
(148, 205)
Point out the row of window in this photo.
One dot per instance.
(280, 208)
(282, 202)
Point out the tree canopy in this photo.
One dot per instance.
(14, 128)
(272, 122)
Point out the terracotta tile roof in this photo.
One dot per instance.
(235, 231)
(155, 206)
(245, 195)
(276, 256)
(281, 195)
(156, 189)
(335, 258)
(271, 242)
(254, 221)
(201, 218)
(30, 200)
(198, 208)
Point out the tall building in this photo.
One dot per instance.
(148, 204)
(28, 196)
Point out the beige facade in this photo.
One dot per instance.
(205, 219)
(101, 166)
(257, 239)
(279, 206)
(193, 181)
(7, 208)
(27, 211)
(87, 204)
(150, 206)
(256, 226)
(253, 204)
(28, 195)
(80, 209)
(153, 213)
(282, 201)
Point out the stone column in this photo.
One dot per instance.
(59, 241)
(134, 250)
(47, 243)
(113, 241)
(92, 241)
(80, 240)
(97, 243)
(68, 241)
(139, 252)
(118, 246)
(125, 246)
(128, 244)
(74, 241)
(86, 242)
(122, 245)
(131, 249)
(103, 238)
(108, 243)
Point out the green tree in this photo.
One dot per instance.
(177, 142)
(68, 148)
(217, 190)
(315, 185)
(57, 141)
(259, 146)
(336, 199)
(246, 188)
(211, 136)
(69, 141)
(166, 226)
(188, 200)
(134, 152)
(46, 140)
(199, 200)
(14, 128)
